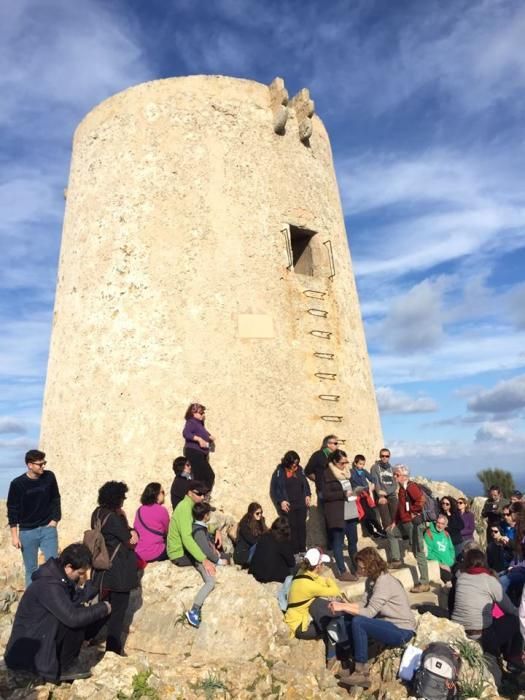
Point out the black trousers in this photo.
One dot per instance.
(503, 636)
(119, 605)
(297, 520)
(200, 466)
(68, 644)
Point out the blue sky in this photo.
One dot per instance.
(425, 106)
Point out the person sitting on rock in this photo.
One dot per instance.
(273, 558)
(151, 523)
(50, 622)
(383, 615)
(440, 547)
(203, 537)
(409, 523)
(308, 615)
(184, 551)
(363, 488)
(182, 481)
(251, 527)
(477, 589)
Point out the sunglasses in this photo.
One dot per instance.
(258, 512)
(39, 464)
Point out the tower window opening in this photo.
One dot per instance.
(302, 253)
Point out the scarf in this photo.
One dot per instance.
(479, 570)
(340, 474)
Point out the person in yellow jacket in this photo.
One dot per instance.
(308, 614)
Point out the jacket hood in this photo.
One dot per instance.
(52, 569)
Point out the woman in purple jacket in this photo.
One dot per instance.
(197, 444)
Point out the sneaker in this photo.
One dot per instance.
(395, 564)
(420, 588)
(347, 576)
(193, 617)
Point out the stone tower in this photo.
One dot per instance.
(204, 258)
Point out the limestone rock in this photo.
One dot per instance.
(440, 488)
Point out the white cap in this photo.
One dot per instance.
(315, 556)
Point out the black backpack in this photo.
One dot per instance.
(437, 675)
(430, 506)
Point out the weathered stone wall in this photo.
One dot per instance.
(174, 286)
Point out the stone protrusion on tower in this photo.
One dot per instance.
(304, 108)
(279, 102)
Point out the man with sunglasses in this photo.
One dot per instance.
(33, 511)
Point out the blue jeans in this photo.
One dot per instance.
(44, 538)
(380, 630)
(337, 535)
(514, 577)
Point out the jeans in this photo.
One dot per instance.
(337, 535)
(380, 630)
(415, 534)
(209, 580)
(44, 538)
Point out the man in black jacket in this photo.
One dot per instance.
(314, 471)
(50, 621)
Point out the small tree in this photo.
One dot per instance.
(497, 477)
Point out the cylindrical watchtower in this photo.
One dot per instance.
(204, 257)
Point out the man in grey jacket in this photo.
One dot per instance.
(385, 487)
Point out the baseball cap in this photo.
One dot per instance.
(315, 556)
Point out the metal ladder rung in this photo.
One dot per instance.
(321, 334)
(332, 419)
(326, 375)
(324, 355)
(318, 312)
(314, 294)
(329, 397)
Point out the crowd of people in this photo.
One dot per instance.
(382, 503)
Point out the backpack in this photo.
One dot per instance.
(437, 675)
(430, 505)
(95, 542)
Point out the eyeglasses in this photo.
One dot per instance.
(384, 456)
(39, 464)
(445, 503)
(332, 442)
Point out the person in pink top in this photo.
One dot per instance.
(152, 521)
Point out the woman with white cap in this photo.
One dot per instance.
(308, 615)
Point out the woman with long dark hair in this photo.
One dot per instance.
(290, 492)
(449, 507)
(117, 582)
(469, 522)
(273, 558)
(152, 522)
(197, 445)
(477, 589)
(251, 526)
(340, 510)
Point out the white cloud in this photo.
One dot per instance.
(391, 401)
(499, 432)
(506, 397)
(415, 320)
(11, 426)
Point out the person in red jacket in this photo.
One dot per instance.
(409, 522)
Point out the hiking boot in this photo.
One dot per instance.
(395, 564)
(360, 677)
(420, 588)
(347, 576)
(193, 617)
(75, 672)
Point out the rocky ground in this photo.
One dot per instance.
(242, 649)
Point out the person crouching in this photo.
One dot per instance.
(50, 622)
